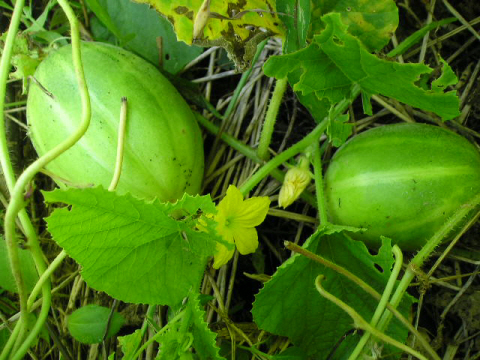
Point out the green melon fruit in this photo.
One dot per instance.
(163, 146)
(401, 181)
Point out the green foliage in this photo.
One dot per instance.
(191, 332)
(373, 22)
(136, 27)
(418, 35)
(130, 343)
(237, 26)
(89, 323)
(336, 60)
(289, 304)
(338, 130)
(24, 59)
(123, 243)
(295, 15)
(29, 272)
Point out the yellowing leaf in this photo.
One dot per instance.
(236, 25)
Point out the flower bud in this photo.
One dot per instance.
(296, 180)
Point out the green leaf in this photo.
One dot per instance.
(135, 251)
(447, 78)
(130, 343)
(295, 15)
(88, 324)
(237, 26)
(137, 27)
(336, 60)
(27, 268)
(190, 332)
(318, 108)
(338, 130)
(373, 22)
(289, 305)
(418, 35)
(204, 340)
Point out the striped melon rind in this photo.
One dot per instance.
(163, 146)
(401, 181)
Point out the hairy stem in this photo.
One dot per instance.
(8, 168)
(317, 166)
(383, 302)
(271, 118)
(424, 253)
(365, 287)
(361, 323)
(278, 160)
(17, 203)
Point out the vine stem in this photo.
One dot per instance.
(271, 118)
(299, 146)
(365, 287)
(247, 151)
(361, 323)
(174, 320)
(17, 203)
(317, 166)
(383, 302)
(424, 253)
(9, 174)
(275, 162)
(45, 277)
(122, 125)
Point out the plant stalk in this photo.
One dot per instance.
(319, 188)
(271, 118)
(424, 253)
(361, 323)
(17, 203)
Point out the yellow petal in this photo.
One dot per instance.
(252, 211)
(222, 256)
(246, 240)
(231, 202)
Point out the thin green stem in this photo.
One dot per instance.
(16, 103)
(45, 277)
(11, 341)
(383, 302)
(177, 318)
(8, 171)
(365, 287)
(361, 323)
(17, 204)
(33, 333)
(424, 253)
(271, 118)
(5, 66)
(243, 80)
(278, 160)
(248, 152)
(122, 124)
(299, 146)
(317, 166)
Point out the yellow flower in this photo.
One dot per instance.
(236, 220)
(296, 180)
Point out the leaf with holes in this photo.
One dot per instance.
(237, 26)
(336, 61)
(373, 22)
(289, 305)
